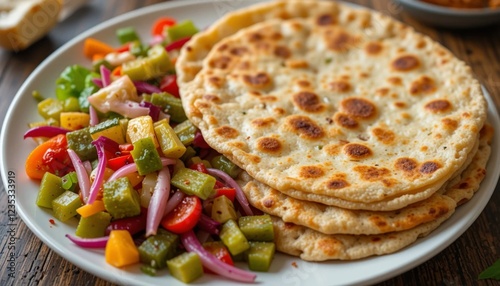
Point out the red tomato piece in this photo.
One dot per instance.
(219, 251)
(125, 148)
(230, 193)
(184, 216)
(219, 185)
(118, 162)
(160, 25)
(50, 156)
(169, 84)
(200, 167)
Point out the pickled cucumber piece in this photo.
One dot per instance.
(233, 238)
(64, 206)
(223, 209)
(50, 108)
(111, 128)
(260, 255)
(120, 198)
(146, 156)
(186, 132)
(186, 267)
(170, 144)
(193, 182)
(157, 249)
(257, 227)
(172, 103)
(93, 226)
(50, 189)
(80, 141)
(70, 182)
(224, 164)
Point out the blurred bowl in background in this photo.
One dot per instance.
(442, 16)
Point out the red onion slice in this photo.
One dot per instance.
(177, 44)
(208, 260)
(144, 87)
(176, 198)
(158, 201)
(99, 242)
(105, 75)
(81, 174)
(97, 82)
(132, 167)
(101, 167)
(208, 224)
(240, 196)
(45, 131)
(94, 119)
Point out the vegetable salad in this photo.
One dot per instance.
(117, 152)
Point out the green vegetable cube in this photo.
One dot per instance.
(186, 267)
(181, 30)
(120, 198)
(260, 255)
(186, 132)
(170, 144)
(233, 238)
(50, 108)
(193, 182)
(80, 141)
(65, 205)
(70, 182)
(146, 156)
(222, 163)
(111, 128)
(93, 226)
(157, 249)
(126, 35)
(223, 209)
(50, 189)
(257, 228)
(172, 103)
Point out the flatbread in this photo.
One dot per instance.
(347, 104)
(312, 245)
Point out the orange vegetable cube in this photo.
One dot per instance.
(120, 249)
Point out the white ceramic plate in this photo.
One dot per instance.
(15, 150)
(450, 17)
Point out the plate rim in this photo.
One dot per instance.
(104, 273)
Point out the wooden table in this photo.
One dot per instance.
(459, 264)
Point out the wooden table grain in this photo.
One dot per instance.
(459, 264)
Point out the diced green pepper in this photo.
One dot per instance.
(71, 104)
(120, 198)
(172, 103)
(193, 182)
(93, 226)
(186, 132)
(222, 163)
(127, 35)
(257, 227)
(260, 255)
(181, 30)
(171, 146)
(154, 65)
(80, 141)
(148, 270)
(138, 49)
(223, 209)
(186, 267)
(50, 108)
(146, 156)
(64, 207)
(110, 128)
(96, 66)
(70, 182)
(37, 95)
(233, 238)
(50, 189)
(190, 152)
(157, 249)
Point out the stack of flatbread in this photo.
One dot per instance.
(357, 134)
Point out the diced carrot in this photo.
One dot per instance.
(91, 209)
(117, 71)
(96, 57)
(35, 166)
(120, 249)
(92, 46)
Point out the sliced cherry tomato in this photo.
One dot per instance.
(118, 162)
(230, 193)
(184, 216)
(200, 167)
(219, 251)
(169, 84)
(160, 25)
(123, 48)
(50, 156)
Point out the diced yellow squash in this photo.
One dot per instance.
(120, 249)
(74, 120)
(110, 128)
(170, 144)
(139, 128)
